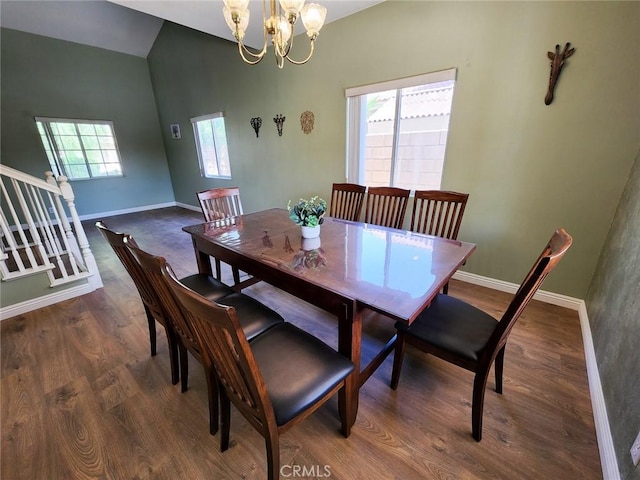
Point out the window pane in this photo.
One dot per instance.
(80, 150)
(90, 143)
(45, 143)
(113, 169)
(86, 129)
(220, 136)
(74, 157)
(106, 143)
(97, 170)
(207, 148)
(110, 156)
(66, 128)
(94, 156)
(103, 129)
(425, 112)
(378, 138)
(69, 142)
(77, 171)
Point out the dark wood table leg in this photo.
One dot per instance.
(349, 344)
(202, 259)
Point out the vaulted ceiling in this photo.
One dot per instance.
(131, 26)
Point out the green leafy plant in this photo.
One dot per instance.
(308, 213)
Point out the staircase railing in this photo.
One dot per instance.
(41, 231)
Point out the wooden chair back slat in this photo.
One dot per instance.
(386, 206)
(346, 201)
(438, 212)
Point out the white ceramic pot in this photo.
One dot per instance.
(310, 232)
(310, 243)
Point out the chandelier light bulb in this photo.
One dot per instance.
(284, 27)
(243, 21)
(236, 6)
(313, 16)
(292, 7)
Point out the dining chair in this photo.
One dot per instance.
(386, 206)
(468, 337)
(439, 213)
(204, 284)
(256, 318)
(277, 380)
(346, 201)
(219, 204)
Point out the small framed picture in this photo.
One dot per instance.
(175, 130)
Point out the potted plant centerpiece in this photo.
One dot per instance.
(308, 214)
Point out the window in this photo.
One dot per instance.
(211, 144)
(80, 149)
(397, 131)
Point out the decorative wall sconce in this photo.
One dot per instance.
(557, 62)
(279, 119)
(306, 121)
(256, 123)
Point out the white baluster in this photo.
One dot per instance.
(83, 242)
(61, 215)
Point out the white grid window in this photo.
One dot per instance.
(80, 149)
(211, 144)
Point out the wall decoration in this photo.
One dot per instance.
(175, 131)
(279, 119)
(557, 62)
(306, 121)
(256, 123)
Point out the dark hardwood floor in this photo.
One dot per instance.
(82, 398)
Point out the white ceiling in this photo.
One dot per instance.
(131, 26)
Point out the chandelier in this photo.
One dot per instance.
(278, 24)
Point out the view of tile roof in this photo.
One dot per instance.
(425, 101)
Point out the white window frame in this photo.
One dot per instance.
(356, 117)
(55, 151)
(219, 154)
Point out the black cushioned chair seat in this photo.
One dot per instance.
(254, 317)
(297, 369)
(452, 325)
(207, 286)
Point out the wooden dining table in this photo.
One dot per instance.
(351, 268)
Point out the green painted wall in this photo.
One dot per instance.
(529, 168)
(613, 304)
(52, 78)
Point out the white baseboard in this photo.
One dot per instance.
(144, 208)
(91, 216)
(608, 459)
(502, 286)
(44, 301)
(189, 207)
